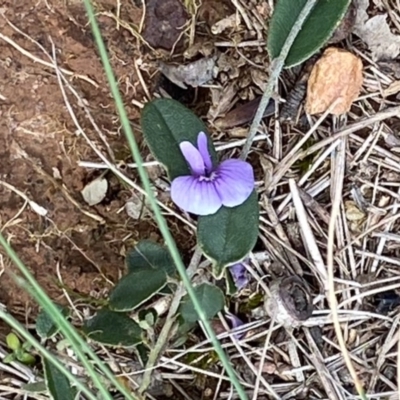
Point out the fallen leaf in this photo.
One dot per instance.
(222, 100)
(94, 192)
(337, 75)
(229, 22)
(195, 74)
(164, 23)
(135, 207)
(244, 113)
(212, 11)
(375, 32)
(353, 213)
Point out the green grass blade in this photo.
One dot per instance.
(78, 344)
(157, 213)
(11, 321)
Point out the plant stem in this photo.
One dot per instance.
(276, 68)
(169, 323)
(162, 224)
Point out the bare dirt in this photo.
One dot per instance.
(40, 150)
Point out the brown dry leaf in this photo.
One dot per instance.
(353, 213)
(243, 114)
(375, 32)
(164, 23)
(336, 75)
(222, 101)
(212, 11)
(195, 74)
(229, 22)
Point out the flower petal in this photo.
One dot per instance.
(239, 275)
(203, 149)
(193, 158)
(195, 196)
(235, 182)
(235, 323)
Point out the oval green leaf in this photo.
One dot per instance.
(230, 234)
(13, 341)
(324, 18)
(211, 299)
(113, 329)
(135, 288)
(45, 326)
(165, 124)
(35, 387)
(149, 255)
(57, 383)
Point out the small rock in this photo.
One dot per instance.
(95, 192)
(164, 23)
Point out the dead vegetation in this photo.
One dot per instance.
(60, 132)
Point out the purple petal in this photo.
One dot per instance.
(239, 275)
(235, 182)
(235, 323)
(195, 196)
(203, 148)
(193, 158)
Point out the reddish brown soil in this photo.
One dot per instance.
(39, 150)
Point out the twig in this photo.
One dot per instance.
(169, 323)
(336, 200)
(310, 241)
(276, 68)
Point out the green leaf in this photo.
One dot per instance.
(27, 359)
(113, 329)
(149, 255)
(147, 318)
(211, 299)
(13, 342)
(165, 124)
(9, 358)
(45, 326)
(136, 288)
(57, 383)
(35, 387)
(230, 234)
(324, 18)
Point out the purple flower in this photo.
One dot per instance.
(235, 323)
(207, 188)
(239, 275)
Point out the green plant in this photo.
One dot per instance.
(20, 351)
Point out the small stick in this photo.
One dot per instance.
(331, 295)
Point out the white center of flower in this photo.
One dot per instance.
(209, 177)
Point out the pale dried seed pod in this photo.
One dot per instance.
(290, 302)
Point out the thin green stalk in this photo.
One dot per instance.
(169, 323)
(157, 213)
(78, 344)
(11, 321)
(276, 69)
